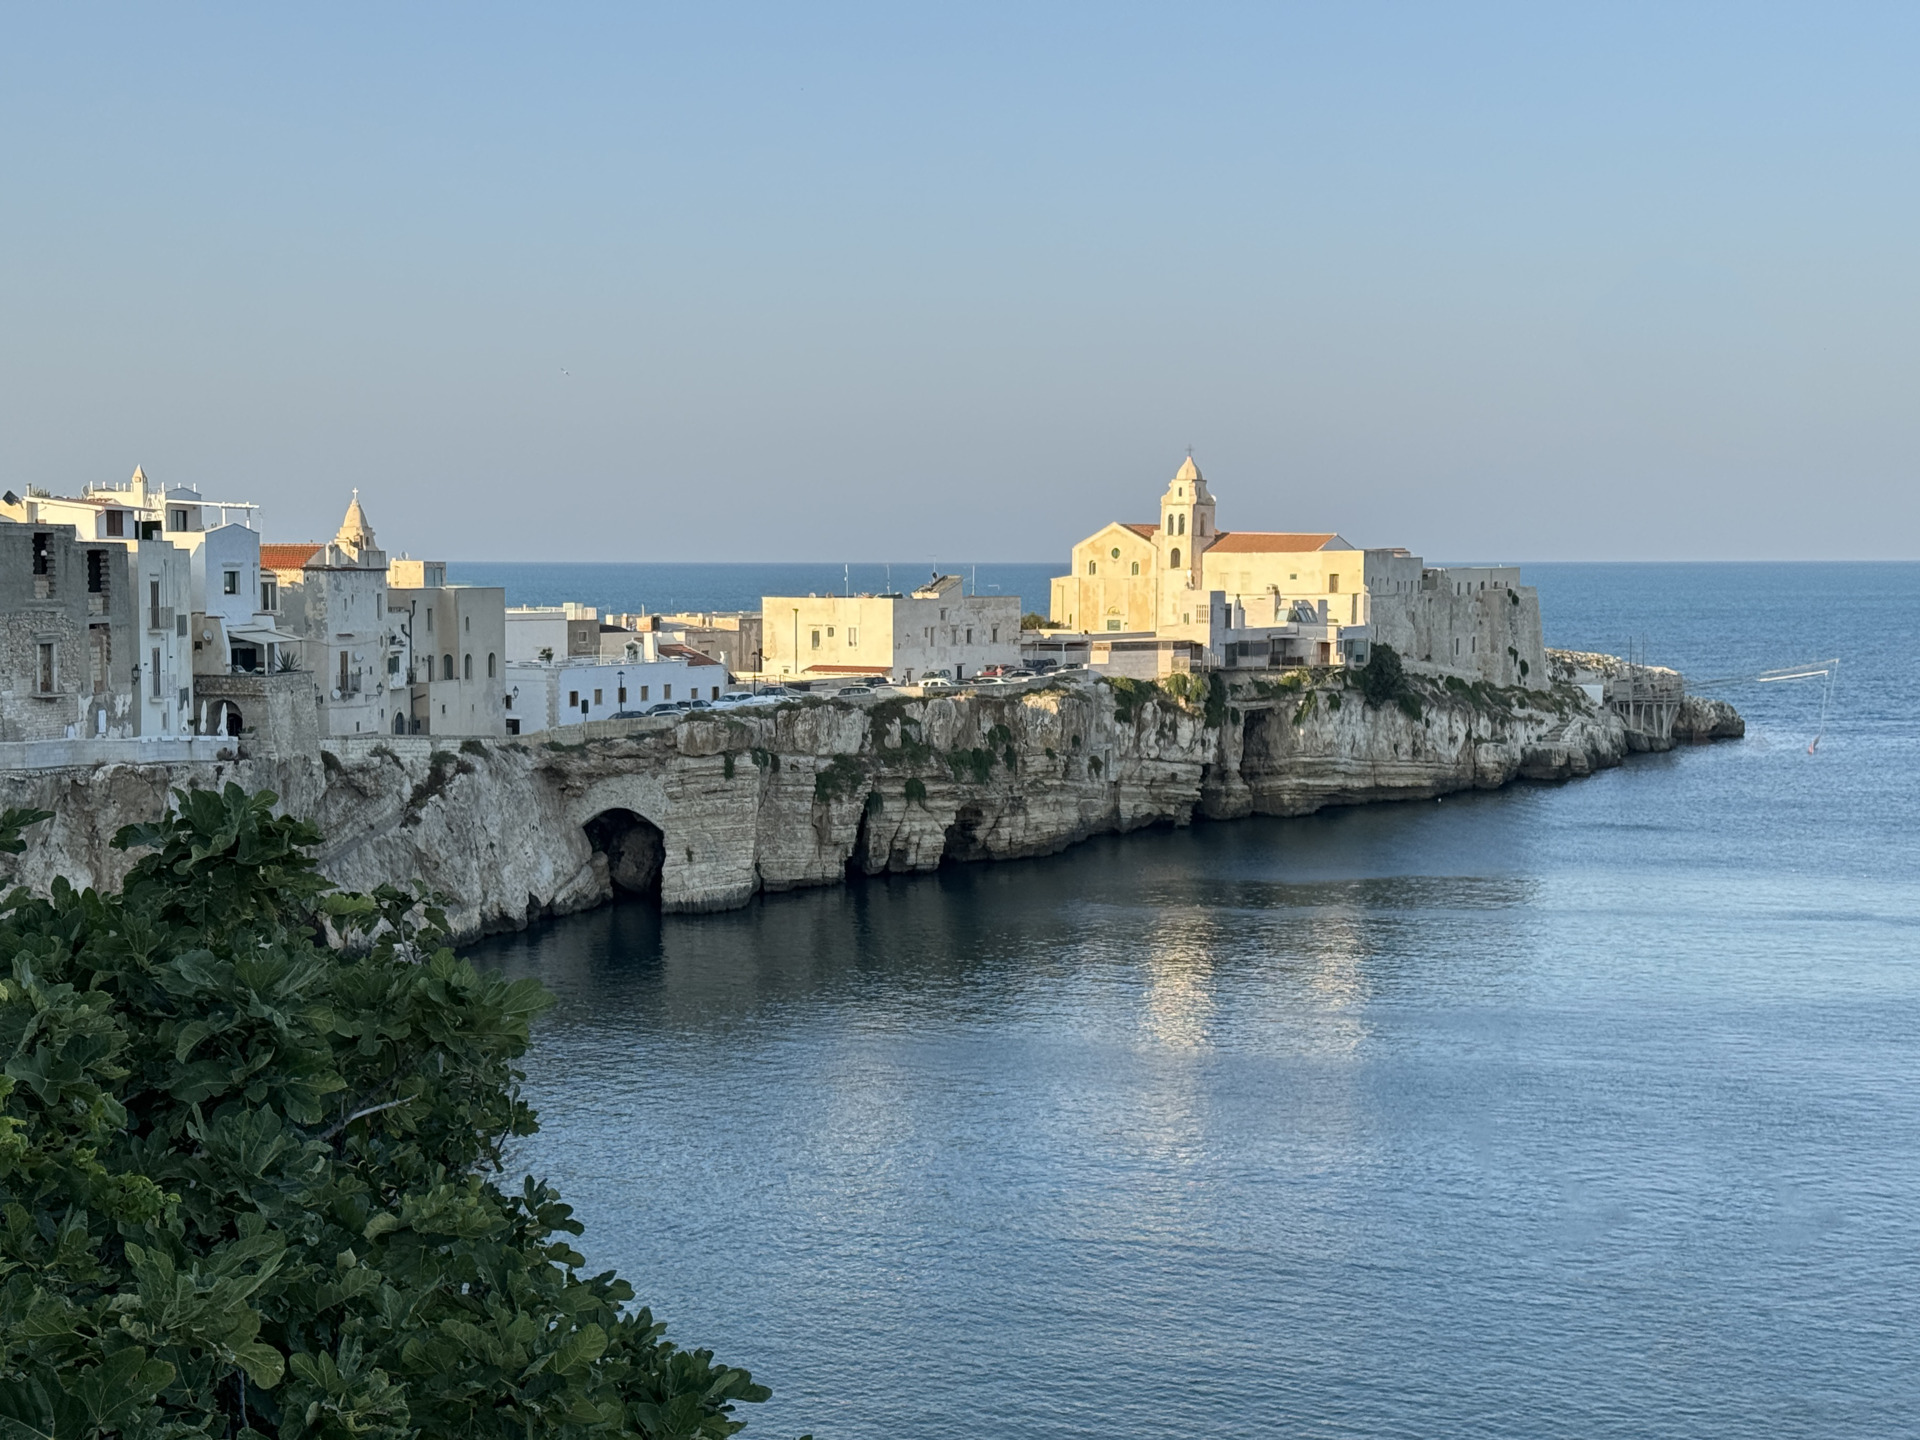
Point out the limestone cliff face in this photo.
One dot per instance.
(713, 809)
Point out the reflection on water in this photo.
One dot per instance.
(1563, 1112)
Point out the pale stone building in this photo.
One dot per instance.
(903, 637)
(1147, 577)
(451, 653)
(67, 635)
(1183, 589)
(333, 598)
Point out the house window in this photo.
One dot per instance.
(643, 693)
(1115, 552)
(1180, 526)
(1169, 524)
(96, 572)
(969, 635)
(853, 634)
(116, 523)
(230, 583)
(269, 593)
(1173, 558)
(393, 664)
(573, 698)
(153, 604)
(490, 665)
(816, 639)
(466, 623)
(1113, 624)
(716, 692)
(596, 697)
(155, 668)
(666, 692)
(176, 519)
(429, 619)
(829, 632)
(1333, 584)
(446, 667)
(1136, 568)
(466, 667)
(1092, 569)
(46, 668)
(996, 635)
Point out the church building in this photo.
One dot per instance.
(1157, 577)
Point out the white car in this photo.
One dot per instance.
(936, 682)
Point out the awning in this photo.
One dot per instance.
(262, 635)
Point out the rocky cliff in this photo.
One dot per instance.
(706, 811)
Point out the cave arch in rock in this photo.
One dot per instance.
(635, 847)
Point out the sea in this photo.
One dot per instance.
(1579, 1110)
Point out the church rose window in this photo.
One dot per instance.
(1115, 552)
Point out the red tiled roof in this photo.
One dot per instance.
(286, 557)
(689, 654)
(1145, 532)
(1266, 542)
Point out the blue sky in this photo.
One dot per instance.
(831, 282)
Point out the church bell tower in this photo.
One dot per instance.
(1186, 530)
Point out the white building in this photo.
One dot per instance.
(542, 695)
(900, 637)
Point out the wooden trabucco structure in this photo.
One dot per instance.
(1646, 700)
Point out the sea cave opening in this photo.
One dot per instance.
(635, 847)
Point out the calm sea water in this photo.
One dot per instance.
(1576, 1111)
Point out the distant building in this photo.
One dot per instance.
(547, 695)
(170, 534)
(452, 651)
(733, 637)
(552, 632)
(1182, 591)
(67, 635)
(333, 599)
(904, 637)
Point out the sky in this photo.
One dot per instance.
(825, 282)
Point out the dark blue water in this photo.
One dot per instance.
(1576, 1111)
(663, 589)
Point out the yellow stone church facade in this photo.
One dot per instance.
(1141, 577)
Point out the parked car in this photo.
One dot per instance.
(628, 714)
(936, 675)
(936, 682)
(855, 691)
(987, 680)
(665, 707)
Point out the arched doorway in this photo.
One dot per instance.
(635, 849)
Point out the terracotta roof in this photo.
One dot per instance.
(846, 670)
(1145, 532)
(689, 654)
(286, 557)
(1267, 542)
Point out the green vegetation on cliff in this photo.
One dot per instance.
(248, 1180)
